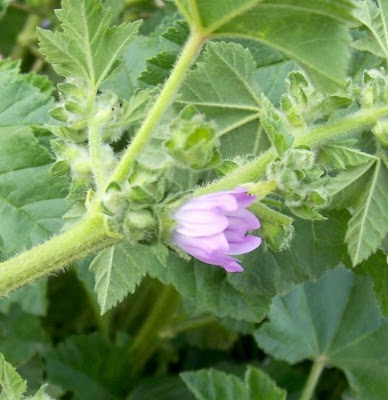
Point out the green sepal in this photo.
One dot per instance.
(60, 168)
(193, 141)
(308, 213)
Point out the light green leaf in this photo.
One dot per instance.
(312, 33)
(3, 7)
(116, 275)
(336, 319)
(369, 223)
(13, 386)
(376, 267)
(217, 385)
(90, 367)
(375, 19)
(87, 48)
(31, 201)
(339, 156)
(236, 107)
(40, 395)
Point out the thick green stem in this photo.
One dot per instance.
(187, 57)
(313, 378)
(332, 130)
(84, 239)
(250, 172)
(145, 341)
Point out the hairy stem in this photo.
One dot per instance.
(145, 341)
(95, 143)
(313, 378)
(185, 60)
(333, 130)
(84, 239)
(252, 171)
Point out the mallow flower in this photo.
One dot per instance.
(213, 228)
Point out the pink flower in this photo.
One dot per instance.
(212, 228)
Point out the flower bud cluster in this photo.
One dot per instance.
(193, 141)
(133, 209)
(374, 90)
(72, 115)
(299, 180)
(304, 105)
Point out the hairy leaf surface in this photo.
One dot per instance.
(87, 48)
(116, 275)
(312, 33)
(13, 386)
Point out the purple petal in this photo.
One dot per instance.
(246, 245)
(200, 223)
(201, 245)
(244, 199)
(242, 219)
(221, 201)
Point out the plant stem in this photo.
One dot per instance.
(95, 143)
(332, 130)
(145, 341)
(313, 378)
(84, 239)
(185, 60)
(26, 36)
(188, 325)
(252, 171)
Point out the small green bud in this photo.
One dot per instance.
(74, 107)
(60, 114)
(140, 225)
(60, 168)
(193, 141)
(380, 130)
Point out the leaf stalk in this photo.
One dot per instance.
(313, 378)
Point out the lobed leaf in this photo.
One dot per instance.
(13, 386)
(369, 223)
(90, 367)
(217, 385)
(312, 33)
(375, 18)
(116, 275)
(336, 320)
(87, 48)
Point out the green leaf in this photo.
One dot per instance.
(170, 388)
(90, 367)
(375, 18)
(336, 319)
(87, 47)
(22, 103)
(369, 223)
(312, 33)
(3, 7)
(236, 107)
(12, 384)
(339, 156)
(376, 267)
(217, 385)
(31, 298)
(31, 201)
(21, 336)
(116, 274)
(248, 295)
